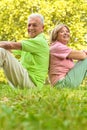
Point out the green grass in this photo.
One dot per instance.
(46, 109)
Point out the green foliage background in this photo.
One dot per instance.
(14, 14)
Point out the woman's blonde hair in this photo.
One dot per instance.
(54, 33)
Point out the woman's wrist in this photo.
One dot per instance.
(85, 51)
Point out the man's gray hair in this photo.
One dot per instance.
(33, 15)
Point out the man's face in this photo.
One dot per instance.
(35, 27)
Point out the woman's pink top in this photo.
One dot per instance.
(59, 63)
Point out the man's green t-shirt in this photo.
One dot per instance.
(35, 58)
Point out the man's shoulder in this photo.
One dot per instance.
(40, 36)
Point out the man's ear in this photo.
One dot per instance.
(43, 26)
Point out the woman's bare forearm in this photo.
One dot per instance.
(78, 55)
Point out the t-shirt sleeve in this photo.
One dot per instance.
(60, 50)
(30, 45)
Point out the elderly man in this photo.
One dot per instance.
(32, 69)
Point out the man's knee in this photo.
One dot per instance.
(2, 50)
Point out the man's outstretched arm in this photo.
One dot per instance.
(10, 45)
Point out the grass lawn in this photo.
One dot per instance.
(46, 109)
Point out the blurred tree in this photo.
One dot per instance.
(14, 13)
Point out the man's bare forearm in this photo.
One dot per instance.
(10, 45)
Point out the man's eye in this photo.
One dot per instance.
(34, 25)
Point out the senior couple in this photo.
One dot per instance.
(38, 59)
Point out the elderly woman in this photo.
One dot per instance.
(62, 70)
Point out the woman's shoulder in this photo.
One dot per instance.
(56, 44)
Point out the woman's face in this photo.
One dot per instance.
(63, 35)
